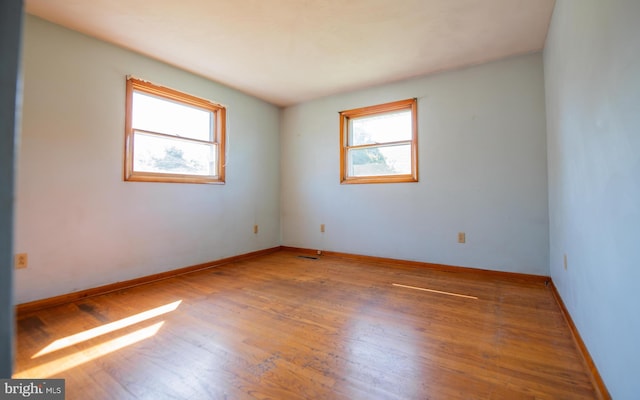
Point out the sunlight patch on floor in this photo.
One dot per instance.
(55, 367)
(107, 328)
(435, 291)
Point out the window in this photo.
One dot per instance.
(172, 136)
(379, 144)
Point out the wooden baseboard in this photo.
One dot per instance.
(596, 379)
(112, 287)
(449, 268)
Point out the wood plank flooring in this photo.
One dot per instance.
(284, 327)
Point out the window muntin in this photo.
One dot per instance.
(379, 143)
(172, 136)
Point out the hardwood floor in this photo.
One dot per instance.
(284, 327)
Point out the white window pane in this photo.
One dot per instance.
(151, 113)
(172, 156)
(386, 160)
(381, 128)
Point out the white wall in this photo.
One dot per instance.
(482, 166)
(592, 76)
(80, 223)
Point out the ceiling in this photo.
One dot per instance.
(290, 51)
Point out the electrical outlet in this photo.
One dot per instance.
(255, 229)
(21, 260)
(565, 261)
(322, 228)
(462, 237)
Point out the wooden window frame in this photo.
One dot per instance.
(218, 134)
(345, 116)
